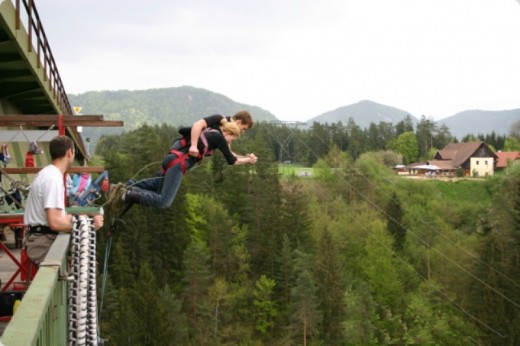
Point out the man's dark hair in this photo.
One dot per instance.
(59, 145)
(245, 117)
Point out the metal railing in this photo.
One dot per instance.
(43, 52)
(41, 318)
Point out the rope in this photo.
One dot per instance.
(37, 139)
(135, 175)
(18, 185)
(14, 136)
(82, 290)
(108, 247)
(105, 273)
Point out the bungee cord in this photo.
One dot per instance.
(83, 321)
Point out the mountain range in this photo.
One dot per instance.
(481, 122)
(181, 106)
(363, 113)
(461, 124)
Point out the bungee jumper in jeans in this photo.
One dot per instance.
(160, 192)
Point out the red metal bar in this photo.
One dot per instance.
(61, 128)
(11, 280)
(11, 219)
(18, 264)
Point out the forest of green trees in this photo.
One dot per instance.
(353, 256)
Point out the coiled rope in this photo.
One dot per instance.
(83, 321)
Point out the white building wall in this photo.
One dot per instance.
(481, 166)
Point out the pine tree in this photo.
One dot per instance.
(239, 326)
(295, 216)
(265, 201)
(380, 269)
(173, 319)
(306, 315)
(265, 307)
(285, 279)
(360, 316)
(124, 324)
(499, 268)
(394, 214)
(146, 304)
(120, 269)
(170, 236)
(331, 290)
(218, 296)
(197, 279)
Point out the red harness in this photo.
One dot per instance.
(182, 157)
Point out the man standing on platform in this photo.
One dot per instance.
(45, 208)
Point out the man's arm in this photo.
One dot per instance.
(243, 160)
(57, 221)
(63, 223)
(196, 130)
(248, 156)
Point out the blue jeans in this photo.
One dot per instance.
(151, 184)
(159, 192)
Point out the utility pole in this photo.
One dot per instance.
(283, 139)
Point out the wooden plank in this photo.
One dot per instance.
(92, 123)
(66, 123)
(68, 120)
(45, 117)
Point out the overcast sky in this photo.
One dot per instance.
(296, 58)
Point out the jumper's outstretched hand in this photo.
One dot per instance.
(253, 158)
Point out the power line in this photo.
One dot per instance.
(423, 277)
(439, 252)
(284, 140)
(421, 220)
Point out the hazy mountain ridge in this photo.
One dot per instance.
(363, 113)
(177, 106)
(181, 106)
(480, 122)
(461, 124)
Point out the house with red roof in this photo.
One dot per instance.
(474, 158)
(506, 158)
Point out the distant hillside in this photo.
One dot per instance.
(179, 106)
(463, 123)
(480, 122)
(363, 113)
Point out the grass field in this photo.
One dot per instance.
(464, 190)
(287, 170)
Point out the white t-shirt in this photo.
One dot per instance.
(46, 191)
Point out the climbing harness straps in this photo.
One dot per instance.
(181, 156)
